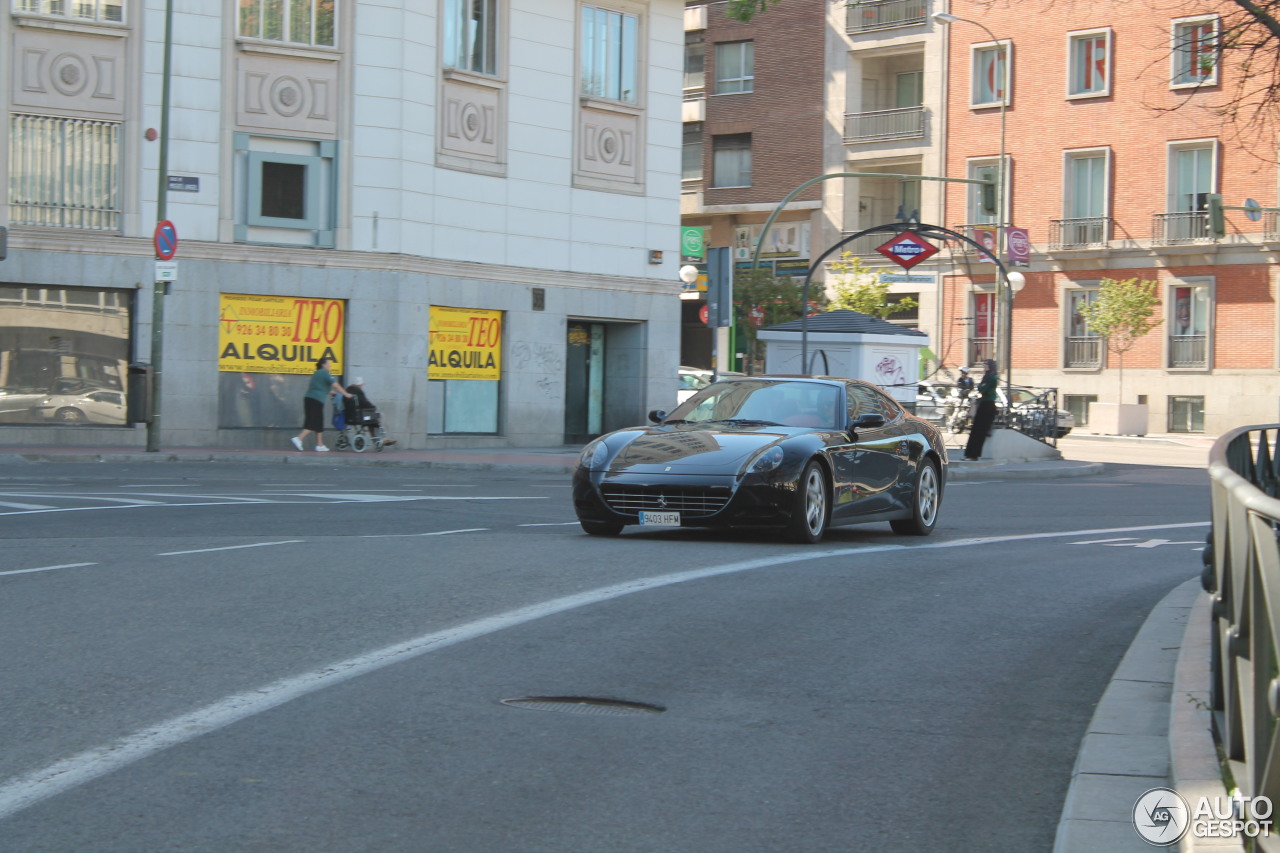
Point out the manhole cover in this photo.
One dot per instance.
(584, 705)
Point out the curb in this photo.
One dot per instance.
(1137, 728)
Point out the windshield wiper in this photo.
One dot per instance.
(756, 421)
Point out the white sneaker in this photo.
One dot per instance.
(296, 442)
(322, 448)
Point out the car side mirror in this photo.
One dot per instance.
(657, 416)
(867, 421)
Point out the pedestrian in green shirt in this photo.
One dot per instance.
(986, 414)
(322, 383)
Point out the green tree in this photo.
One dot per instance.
(745, 10)
(857, 288)
(778, 299)
(1123, 311)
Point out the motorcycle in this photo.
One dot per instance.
(960, 407)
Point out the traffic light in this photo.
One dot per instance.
(1217, 224)
(989, 199)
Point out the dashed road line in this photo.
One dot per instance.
(46, 568)
(230, 548)
(432, 533)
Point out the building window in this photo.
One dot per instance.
(1195, 52)
(981, 201)
(1186, 414)
(1083, 346)
(286, 191)
(80, 10)
(990, 75)
(731, 161)
(63, 354)
(64, 172)
(1086, 199)
(909, 317)
(1090, 58)
(294, 21)
(471, 35)
(982, 345)
(609, 55)
(908, 89)
(908, 200)
(735, 67)
(695, 58)
(1192, 176)
(1190, 310)
(1078, 406)
(691, 152)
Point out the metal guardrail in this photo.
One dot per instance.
(870, 15)
(1242, 573)
(881, 125)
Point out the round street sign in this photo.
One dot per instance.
(1252, 210)
(166, 240)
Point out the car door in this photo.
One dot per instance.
(869, 464)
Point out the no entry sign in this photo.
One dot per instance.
(166, 240)
(907, 249)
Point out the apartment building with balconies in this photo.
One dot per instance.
(474, 205)
(1113, 148)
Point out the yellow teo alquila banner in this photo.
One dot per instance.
(465, 343)
(279, 334)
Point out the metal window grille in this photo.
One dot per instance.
(64, 172)
(1079, 233)
(1171, 229)
(1084, 352)
(1188, 350)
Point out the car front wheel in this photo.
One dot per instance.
(809, 512)
(925, 500)
(70, 416)
(601, 528)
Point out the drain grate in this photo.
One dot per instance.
(584, 705)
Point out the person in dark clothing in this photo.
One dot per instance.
(321, 386)
(965, 383)
(359, 402)
(986, 414)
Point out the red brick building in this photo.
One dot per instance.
(1113, 150)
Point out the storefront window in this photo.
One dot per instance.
(64, 355)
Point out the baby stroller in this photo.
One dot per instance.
(359, 427)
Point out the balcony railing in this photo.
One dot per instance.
(866, 244)
(869, 15)
(1174, 229)
(1271, 225)
(1086, 232)
(1084, 351)
(981, 349)
(1188, 350)
(878, 125)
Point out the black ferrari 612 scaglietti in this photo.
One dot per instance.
(796, 453)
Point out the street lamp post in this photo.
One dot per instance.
(1004, 349)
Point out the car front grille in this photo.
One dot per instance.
(692, 501)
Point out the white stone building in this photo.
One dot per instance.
(339, 173)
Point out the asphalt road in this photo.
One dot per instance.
(214, 657)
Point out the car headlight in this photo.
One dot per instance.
(594, 455)
(767, 461)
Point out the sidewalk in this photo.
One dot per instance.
(548, 460)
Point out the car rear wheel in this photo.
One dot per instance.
(809, 513)
(601, 528)
(69, 416)
(925, 501)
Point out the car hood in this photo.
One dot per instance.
(690, 448)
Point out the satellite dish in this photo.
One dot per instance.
(1252, 210)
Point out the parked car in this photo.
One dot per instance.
(91, 407)
(932, 401)
(797, 454)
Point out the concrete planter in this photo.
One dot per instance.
(1118, 418)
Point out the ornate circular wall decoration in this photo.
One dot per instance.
(471, 124)
(608, 145)
(69, 74)
(287, 96)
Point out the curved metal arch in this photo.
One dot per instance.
(921, 229)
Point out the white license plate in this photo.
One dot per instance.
(660, 519)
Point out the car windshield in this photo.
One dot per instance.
(766, 401)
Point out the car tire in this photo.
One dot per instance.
(809, 513)
(926, 499)
(601, 528)
(69, 415)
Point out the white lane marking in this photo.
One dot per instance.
(432, 533)
(91, 496)
(222, 501)
(16, 505)
(230, 548)
(207, 497)
(46, 569)
(25, 791)
(1155, 543)
(551, 524)
(1102, 541)
(359, 498)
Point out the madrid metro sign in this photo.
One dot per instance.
(906, 249)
